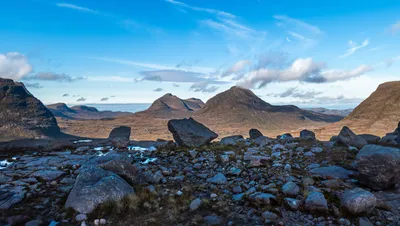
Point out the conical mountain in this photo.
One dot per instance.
(240, 108)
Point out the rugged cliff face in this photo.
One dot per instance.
(22, 115)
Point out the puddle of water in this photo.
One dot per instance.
(82, 141)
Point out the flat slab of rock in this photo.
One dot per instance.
(378, 166)
(94, 186)
(336, 172)
(48, 175)
(190, 133)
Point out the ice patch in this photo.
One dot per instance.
(4, 164)
(137, 148)
(147, 161)
(82, 141)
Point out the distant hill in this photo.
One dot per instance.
(22, 115)
(171, 106)
(241, 108)
(344, 112)
(82, 112)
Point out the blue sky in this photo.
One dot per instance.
(309, 53)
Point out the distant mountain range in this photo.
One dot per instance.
(344, 112)
(82, 112)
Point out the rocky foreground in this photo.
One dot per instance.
(351, 180)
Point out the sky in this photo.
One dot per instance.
(309, 53)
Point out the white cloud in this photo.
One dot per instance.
(51, 76)
(204, 87)
(237, 68)
(395, 27)
(14, 66)
(354, 47)
(207, 10)
(78, 8)
(298, 23)
(302, 69)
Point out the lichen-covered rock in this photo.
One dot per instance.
(190, 133)
(95, 186)
(358, 201)
(378, 166)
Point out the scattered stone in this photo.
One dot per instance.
(254, 134)
(378, 166)
(293, 204)
(269, 217)
(316, 202)
(219, 178)
(232, 140)
(195, 204)
(336, 172)
(358, 201)
(81, 217)
(34, 223)
(290, 189)
(188, 132)
(213, 220)
(316, 150)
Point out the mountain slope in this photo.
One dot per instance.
(241, 108)
(22, 115)
(82, 112)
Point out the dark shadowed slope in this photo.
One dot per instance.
(22, 115)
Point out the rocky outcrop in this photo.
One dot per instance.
(347, 137)
(22, 115)
(378, 166)
(94, 186)
(190, 133)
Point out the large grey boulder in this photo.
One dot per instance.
(371, 139)
(95, 186)
(358, 201)
(255, 133)
(190, 133)
(378, 166)
(307, 134)
(346, 138)
(231, 140)
(123, 169)
(120, 136)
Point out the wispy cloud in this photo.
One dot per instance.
(395, 27)
(298, 23)
(204, 87)
(82, 99)
(354, 47)
(172, 76)
(51, 76)
(154, 66)
(33, 85)
(104, 99)
(66, 95)
(158, 90)
(200, 9)
(78, 8)
(237, 69)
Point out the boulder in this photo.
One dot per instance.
(347, 138)
(371, 139)
(255, 133)
(231, 140)
(290, 189)
(95, 186)
(120, 136)
(219, 178)
(307, 134)
(316, 202)
(190, 133)
(123, 169)
(378, 166)
(358, 202)
(22, 115)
